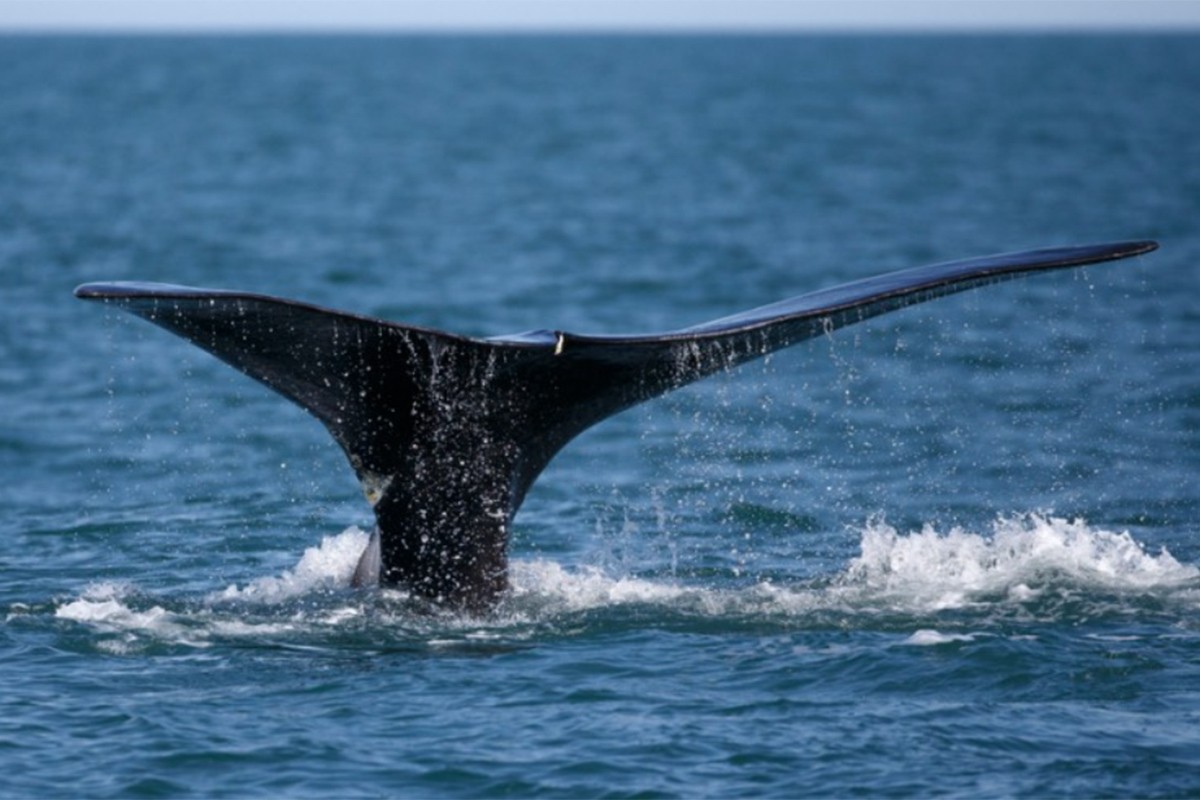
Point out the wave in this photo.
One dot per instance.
(1029, 565)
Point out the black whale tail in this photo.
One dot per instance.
(447, 433)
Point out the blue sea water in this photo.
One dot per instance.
(950, 551)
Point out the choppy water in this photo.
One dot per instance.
(950, 551)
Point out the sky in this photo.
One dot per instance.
(584, 15)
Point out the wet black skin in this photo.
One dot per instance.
(448, 433)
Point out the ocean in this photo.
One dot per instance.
(950, 551)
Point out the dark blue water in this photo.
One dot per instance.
(950, 551)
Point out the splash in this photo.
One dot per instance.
(587, 587)
(1019, 561)
(129, 621)
(327, 566)
(1021, 558)
(113, 608)
(907, 579)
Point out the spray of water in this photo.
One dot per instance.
(917, 576)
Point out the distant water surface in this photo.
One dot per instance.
(950, 551)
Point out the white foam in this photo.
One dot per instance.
(330, 565)
(930, 638)
(929, 570)
(115, 614)
(584, 588)
(1016, 562)
(105, 606)
(114, 607)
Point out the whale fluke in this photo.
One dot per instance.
(447, 433)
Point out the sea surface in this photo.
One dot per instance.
(952, 551)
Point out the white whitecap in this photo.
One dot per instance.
(929, 570)
(330, 565)
(105, 606)
(586, 587)
(929, 638)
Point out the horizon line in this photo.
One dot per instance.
(632, 30)
(596, 16)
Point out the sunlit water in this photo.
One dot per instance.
(950, 551)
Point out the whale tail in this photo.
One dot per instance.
(447, 433)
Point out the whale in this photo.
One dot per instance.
(448, 433)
